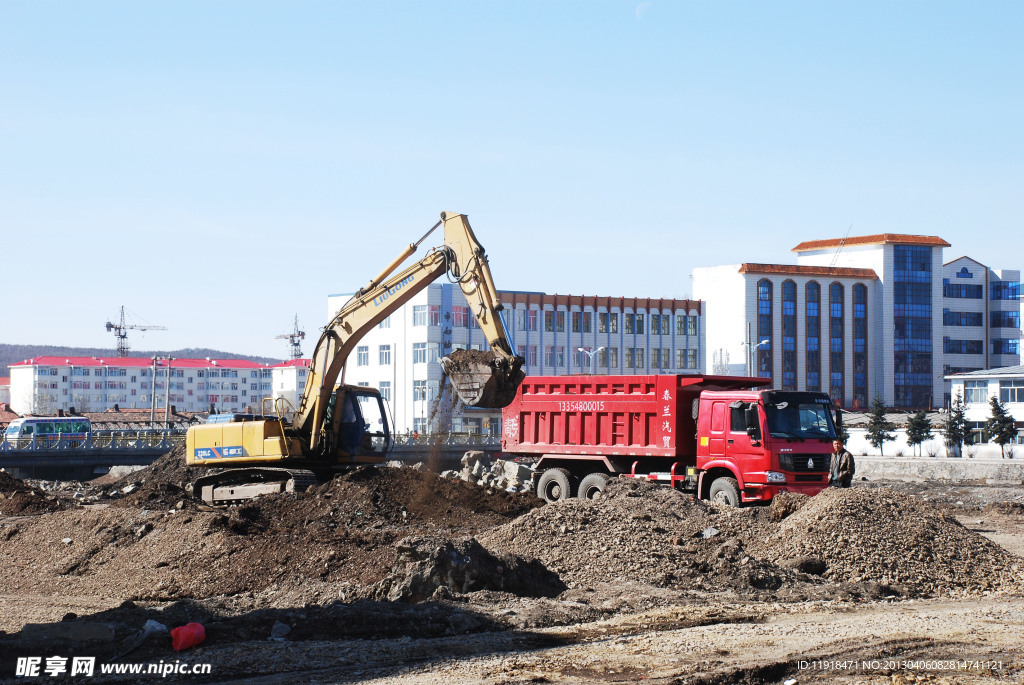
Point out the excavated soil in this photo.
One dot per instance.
(883, 536)
(398, 553)
(20, 499)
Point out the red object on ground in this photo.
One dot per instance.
(188, 635)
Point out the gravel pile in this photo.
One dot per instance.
(649, 534)
(882, 536)
(18, 498)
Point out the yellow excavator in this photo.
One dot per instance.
(340, 426)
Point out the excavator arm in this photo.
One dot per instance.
(479, 380)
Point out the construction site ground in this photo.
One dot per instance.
(388, 575)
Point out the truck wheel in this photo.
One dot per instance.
(593, 485)
(554, 485)
(725, 491)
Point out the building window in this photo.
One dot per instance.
(419, 353)
(577, 322)
(656, 358)
(613, 357)
(666, 358)
(385, 390)
(837, 355)
(531, 359)
(788, 335)
(976, 392)
(1006, 290)
(386, 323)
(363, 355)
(1005, 320)
(385, 355)
(629, 357)
(1005, 346)
(587, 322)
(962, 291)
(419, 315)
(531, 320)
(638, 358)
(434, 314)
(419, 390)
(630, 321)
(860, 346)
(549, 321)
(963, 318)
(560, 356)
(549, 355)
(764, 328)
(655, 324)
(460, 317)
(639, 324)
(951, 346)
(1011, 391)
(812, 333)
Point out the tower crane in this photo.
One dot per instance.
(293, 339)
(121, 333)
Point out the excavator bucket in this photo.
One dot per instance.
(483, 379)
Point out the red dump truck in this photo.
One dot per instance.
(724, 438)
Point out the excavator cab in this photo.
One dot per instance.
(358, 425)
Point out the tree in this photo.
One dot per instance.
(1000, 427)
(919, 429)
(879, 429)
(956, 427)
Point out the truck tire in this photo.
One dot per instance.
(725, 491)
(593, 485)
(554, 485)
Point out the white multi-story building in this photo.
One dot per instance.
(980, 318)
(977, 387)
(289, 380)
(556, 334)
(44, 385)
(858, 318)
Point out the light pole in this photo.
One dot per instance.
(751, 350)
(590, 355)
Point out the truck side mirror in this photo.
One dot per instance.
(753, 422)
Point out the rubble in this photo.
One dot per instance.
(501, 474)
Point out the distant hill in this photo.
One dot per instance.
(11, 354)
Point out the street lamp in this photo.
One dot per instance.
(590, 355)
(752, 349)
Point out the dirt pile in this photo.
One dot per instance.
(334, 541)
(425, 565)
(18, 498)
(645, 533)
(882, 536)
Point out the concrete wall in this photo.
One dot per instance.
(985, 470)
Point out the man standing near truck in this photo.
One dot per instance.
(841, 467)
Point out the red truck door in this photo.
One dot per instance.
(739, 448)
(717, 430)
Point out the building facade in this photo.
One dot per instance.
(977, 387)
(859, 318)
(555, 334)
(44, 385)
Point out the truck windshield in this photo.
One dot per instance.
(800, 420)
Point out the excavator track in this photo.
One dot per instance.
(237, 485)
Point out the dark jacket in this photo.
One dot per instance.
(841, 469)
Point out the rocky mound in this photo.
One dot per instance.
(644, 533)
(18, 498)
(883, 536)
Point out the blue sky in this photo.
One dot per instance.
(218, 168)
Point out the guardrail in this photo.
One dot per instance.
(447, 439)
(105, 440)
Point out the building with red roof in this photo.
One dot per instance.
(44, 385)
(862, 317)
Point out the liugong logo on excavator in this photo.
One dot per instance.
(380, 299)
